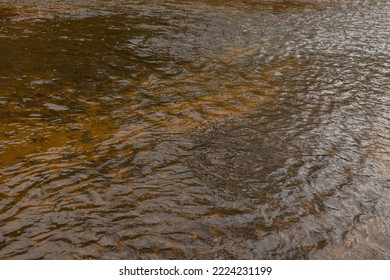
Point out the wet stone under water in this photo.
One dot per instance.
(203, 130)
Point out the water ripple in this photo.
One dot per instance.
(250, 130)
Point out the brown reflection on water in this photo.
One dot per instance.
(214, 129)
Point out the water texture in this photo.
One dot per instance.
(194, 129)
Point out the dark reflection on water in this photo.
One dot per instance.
(210, 129)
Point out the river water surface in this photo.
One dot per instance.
(194, 129)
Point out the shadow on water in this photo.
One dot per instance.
(251, 130)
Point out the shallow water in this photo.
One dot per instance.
(202, 130)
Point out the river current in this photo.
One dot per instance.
(194, 129)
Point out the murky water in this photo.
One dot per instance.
(194, 129)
